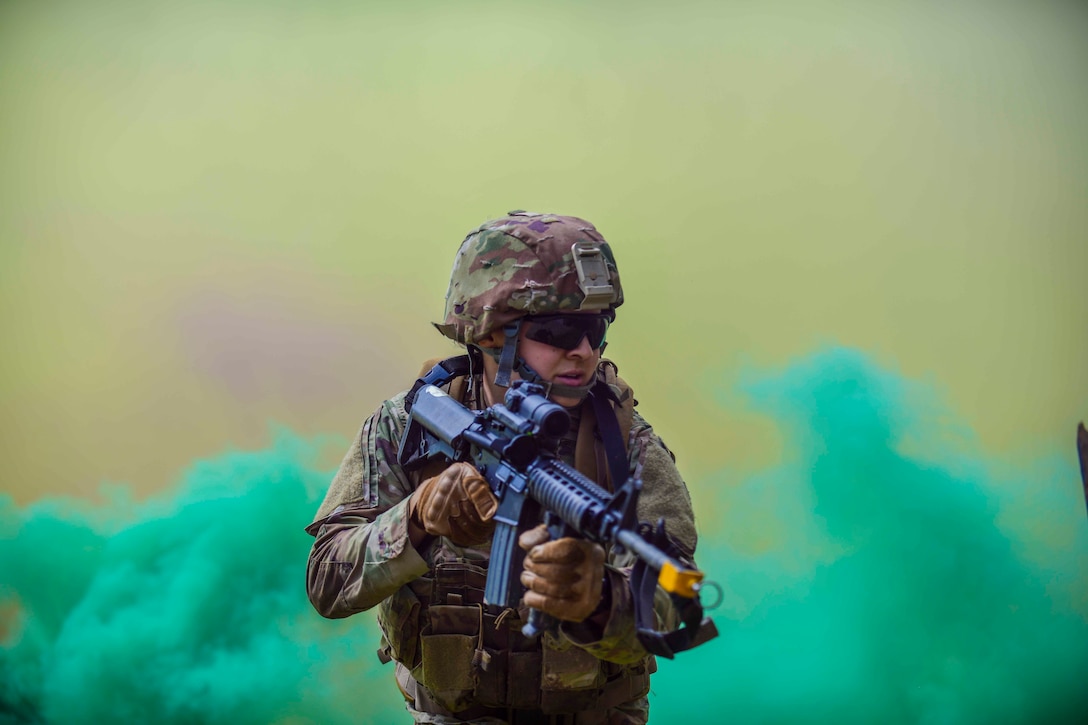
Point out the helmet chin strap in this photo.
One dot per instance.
(509, 354)
(510, 362)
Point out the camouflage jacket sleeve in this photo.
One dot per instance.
(362, 553)
(664, 495)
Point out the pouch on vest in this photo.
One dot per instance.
(570, 677)
(398, 618)
(459, 581)
(448, 642)
(523, 679)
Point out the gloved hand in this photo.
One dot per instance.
(562, 578)
(457, 504)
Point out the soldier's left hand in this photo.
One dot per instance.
(562, 578)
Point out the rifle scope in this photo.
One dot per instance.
(527, 401)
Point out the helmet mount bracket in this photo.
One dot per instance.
(593, 277)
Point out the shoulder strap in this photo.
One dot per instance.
(615, 448)
(439, 372)
(613, 421)
(623, 396)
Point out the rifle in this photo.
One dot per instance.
(512, 447)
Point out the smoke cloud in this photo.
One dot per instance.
(886, 570)
(187, 609)
(910, 578)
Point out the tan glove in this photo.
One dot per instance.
(562, 578)
(457, 504)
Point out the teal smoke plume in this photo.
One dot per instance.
(912, 580)
(897, 575)
(188, 609)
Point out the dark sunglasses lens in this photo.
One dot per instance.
(566, 332)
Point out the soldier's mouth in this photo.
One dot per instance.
(570, 378)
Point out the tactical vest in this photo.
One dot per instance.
(456, 655)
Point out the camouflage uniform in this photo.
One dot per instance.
(458, 659)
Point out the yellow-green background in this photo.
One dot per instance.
(213, 215)
(217, 216)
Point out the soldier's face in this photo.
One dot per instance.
(554, 364)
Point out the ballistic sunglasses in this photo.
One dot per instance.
(566, 331)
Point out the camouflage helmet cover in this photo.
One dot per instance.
(527, 264)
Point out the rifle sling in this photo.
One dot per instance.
(615, 447)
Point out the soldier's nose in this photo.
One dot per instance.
(583, 350)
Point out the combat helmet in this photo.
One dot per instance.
(527, 263)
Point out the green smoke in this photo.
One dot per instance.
(187, 609)
(912, 579)
(885, 571)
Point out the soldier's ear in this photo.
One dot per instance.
(493, 341)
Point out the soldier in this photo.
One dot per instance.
(530, 296)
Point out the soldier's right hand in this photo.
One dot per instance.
(457, 504)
